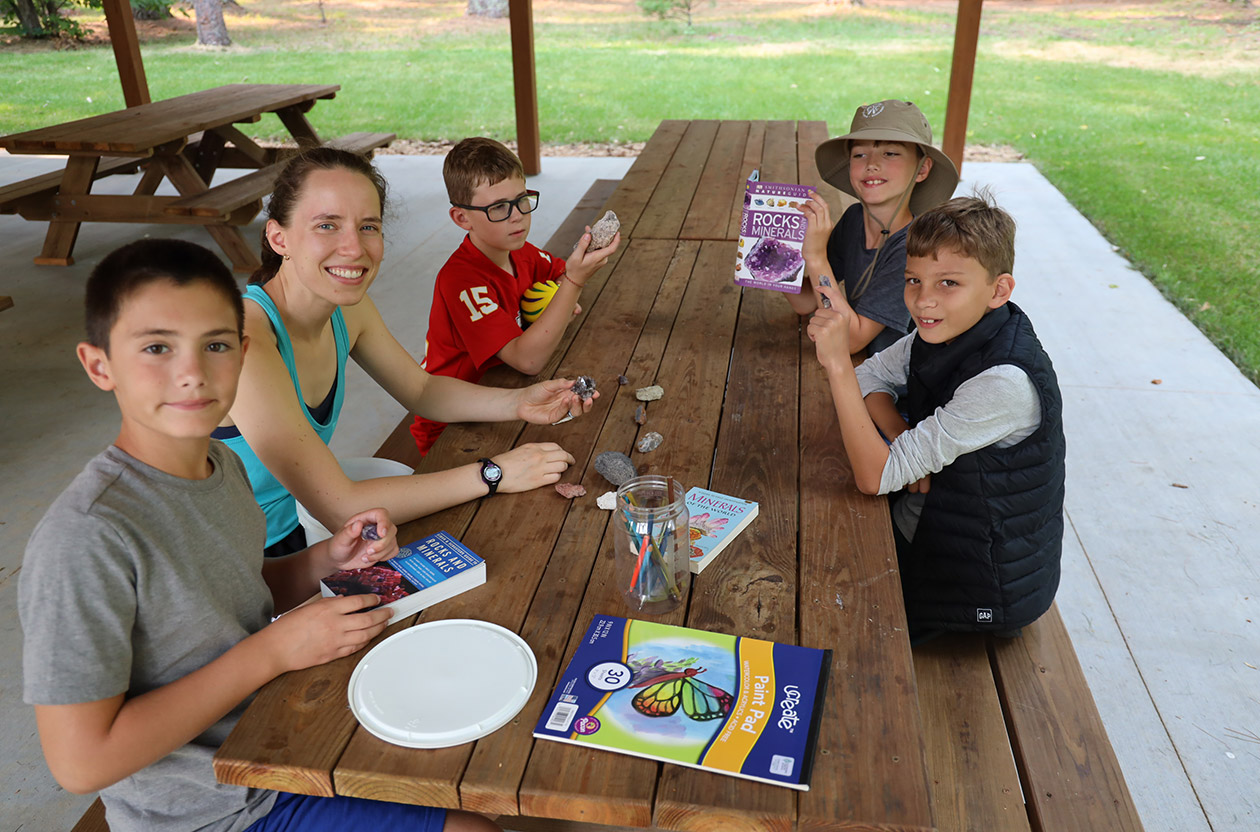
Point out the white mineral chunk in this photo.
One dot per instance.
(649, 394)
(650, 442)
(607, 501)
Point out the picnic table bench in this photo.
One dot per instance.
(186, 139)
(963, 733)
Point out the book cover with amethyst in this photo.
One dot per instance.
(739, 706)
(771, 234)
(423, 573)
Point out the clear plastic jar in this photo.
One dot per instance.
(653, 559)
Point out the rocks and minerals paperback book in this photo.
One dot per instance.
(771, 234)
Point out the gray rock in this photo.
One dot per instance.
(622, 380)
(649, 442)
(649, 394)
(584, 387)
(603, 231)
(615, 467)
(640, 414)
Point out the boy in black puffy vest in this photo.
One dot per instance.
(978, 471)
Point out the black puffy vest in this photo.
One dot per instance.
(985, 555)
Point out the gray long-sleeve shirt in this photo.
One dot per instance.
(998, 406)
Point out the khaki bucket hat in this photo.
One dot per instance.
(890, 121)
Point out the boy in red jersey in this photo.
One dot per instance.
(475, 320)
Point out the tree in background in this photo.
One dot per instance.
(43, 18)
(488, 8)
(211, 28)
(678, 9)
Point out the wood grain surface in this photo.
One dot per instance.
(742, 398)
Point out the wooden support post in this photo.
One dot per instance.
(966, 36)
(525, 85)
(122, 34)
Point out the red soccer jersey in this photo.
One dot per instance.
(476, 312)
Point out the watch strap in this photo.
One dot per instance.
(492, 484)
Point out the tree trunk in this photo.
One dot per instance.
(488, 8)
(211, 28)
(28, 18)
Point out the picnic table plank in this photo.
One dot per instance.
(705, 315)
(136, 131)
(532, 521)
(708, 217)
(666, 210)
(293, 733)
(850, 597)
(1071, 775)
(753, 147)
(606, 349)
(974, 781)
(750, 589)
(624, 791)
(641, 179)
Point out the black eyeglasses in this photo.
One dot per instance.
(500, 211)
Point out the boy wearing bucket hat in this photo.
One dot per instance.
(976, 478)
(888, 163)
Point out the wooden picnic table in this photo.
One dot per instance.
(746, 411)
(184, 139)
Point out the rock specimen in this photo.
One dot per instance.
(649, 442)
(570, 489)
(584, 387)
(623, 381)
(649, 394)
(603, 231)
(607, 501)
(615, 467)
(640, 414)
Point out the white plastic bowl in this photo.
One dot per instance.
(356, 468)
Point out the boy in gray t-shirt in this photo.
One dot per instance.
(145, 600)
(887, 161)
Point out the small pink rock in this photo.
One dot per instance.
(570, 489)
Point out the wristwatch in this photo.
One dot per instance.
(491, 474)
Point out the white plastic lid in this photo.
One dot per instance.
(442, 683)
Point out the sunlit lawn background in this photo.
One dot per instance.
(1146, 115)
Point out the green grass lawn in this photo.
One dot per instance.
(1146, 116)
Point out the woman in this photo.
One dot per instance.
(321, 250)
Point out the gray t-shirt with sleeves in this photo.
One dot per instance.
(133, 579)
(998, 406)
(884, 300)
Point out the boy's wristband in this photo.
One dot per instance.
(565, 276)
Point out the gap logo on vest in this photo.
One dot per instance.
(984, 616)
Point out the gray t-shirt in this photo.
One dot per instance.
(133, 579)
(998, 406)
(884, 300)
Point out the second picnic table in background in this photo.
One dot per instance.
(744, 395)
(184, 139)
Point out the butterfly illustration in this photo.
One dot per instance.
(665, 692)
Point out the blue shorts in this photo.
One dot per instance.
(304, 813)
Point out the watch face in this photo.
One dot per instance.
(492, 472)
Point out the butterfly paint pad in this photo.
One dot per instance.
(739, 706)
(442, 683)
